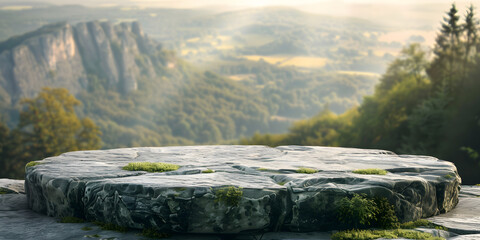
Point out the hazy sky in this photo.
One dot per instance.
(260, 3)
(243, 3)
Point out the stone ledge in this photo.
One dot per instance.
(92, 185)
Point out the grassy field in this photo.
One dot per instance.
(300, 61)
(368, 74)
(241, 77)
(305, 62)
(16, 8)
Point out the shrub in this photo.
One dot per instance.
(360, 211)
(151, 167)
(371, 171)
(229, 195)
(357, 211)
(386, 217)
(307, 170)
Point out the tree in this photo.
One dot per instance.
(50, 126)
(470, 28)
(447, 50)
(12, 157)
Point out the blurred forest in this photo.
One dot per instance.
(259, 71)
(422, 105)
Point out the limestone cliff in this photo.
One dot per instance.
(64, 55)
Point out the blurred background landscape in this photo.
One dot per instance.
(395, 75)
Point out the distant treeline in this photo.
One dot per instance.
(420, 106)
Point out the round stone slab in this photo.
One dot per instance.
(271, 194)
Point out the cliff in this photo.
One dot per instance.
(64, 55)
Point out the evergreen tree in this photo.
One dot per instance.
(448, 51)
(470, 29)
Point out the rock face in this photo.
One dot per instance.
(92, 185)
(62, 55)
(465, 218)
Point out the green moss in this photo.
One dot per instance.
(151, 167)
(371, 171)
(4, 191)
(71, 220)
(152, 233)
(92, 236)
(478, 185)
(86, 228)
(386, 217)
(449, 176)
(415, 224)
(208, 171)
(307, 170)
(32, 163)
(439, 227)
(363, 212)
(262, 169)
(374, 234)
(229, 195)
(111, 227)
(281, 183)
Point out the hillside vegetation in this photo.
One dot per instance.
(420, 106)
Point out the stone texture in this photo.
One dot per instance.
(19, 222)
(12, 186)
(465, 218)
(92, 184)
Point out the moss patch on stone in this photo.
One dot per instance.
(229, 195)
(71, 220)
(92, 236)
(4, 191)
(208, 171)
(390, 234)
(307, 170)
(32, 163)
(151, 167)
(415, 224)
(86, 228)
(371, 171)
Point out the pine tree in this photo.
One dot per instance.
(444, 68)
(470, 29)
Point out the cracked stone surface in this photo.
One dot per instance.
(92, 185)
(11, 186)
(465, 218)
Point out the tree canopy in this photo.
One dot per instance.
(420, 106)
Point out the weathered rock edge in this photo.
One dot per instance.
(92, 185)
